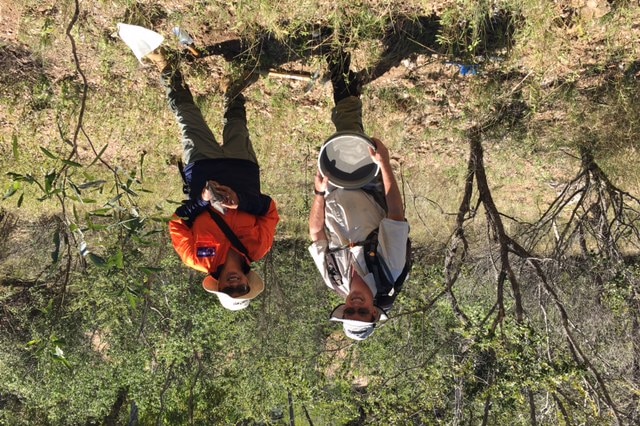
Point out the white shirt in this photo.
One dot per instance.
(350, 216)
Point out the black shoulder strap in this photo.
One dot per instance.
(333, 271)
(379, 268)
(407, 268)
(370, 247)
(233, 238)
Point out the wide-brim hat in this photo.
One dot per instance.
(256, 286)
(358, 330)
(345, 161)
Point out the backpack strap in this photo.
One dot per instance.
(378, 267)
(333, 271)
(405, 271)
(231, 236)
(374, 265)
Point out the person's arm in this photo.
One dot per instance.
(183, 242)
(267, 231)
(190, 209)
(380, 156)
(255, 204)
(316, 217)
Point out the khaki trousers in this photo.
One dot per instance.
(347, 115)
(198, 142)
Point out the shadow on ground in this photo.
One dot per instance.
(403, 37)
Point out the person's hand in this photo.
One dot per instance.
(380, 155)
(320, 182)
(206, 194)
(228, 197)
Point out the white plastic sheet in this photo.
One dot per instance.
(140, 40)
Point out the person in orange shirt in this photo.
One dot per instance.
(221, 241)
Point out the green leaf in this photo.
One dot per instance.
(72, 163)
(14, 146)
(117, 260)
(20, 200)
(129, 191)
(11, 190)
(92, 226)
(114, 199)
(58, 356)
(120, 260)
(74, 187)
(48, 181)
(48, 153)
(97, 260)
(166, 219)
(133, 300)
(149, 270)
(104, 148)
(21, 178)
(47, 310)
(92, 184)
(100, 212)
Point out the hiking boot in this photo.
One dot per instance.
(159, 59)
(232, 87)
(345, 82)
(339, 63)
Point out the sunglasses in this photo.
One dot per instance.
(237, 290)
(359, 311)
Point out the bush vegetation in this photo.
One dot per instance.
(514, 132)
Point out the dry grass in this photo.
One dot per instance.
(420, 107)
(553, 77)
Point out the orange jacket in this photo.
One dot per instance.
(255, 232)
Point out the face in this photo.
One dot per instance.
(359, 303)
(234, 283)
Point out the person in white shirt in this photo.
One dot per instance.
(340, 221)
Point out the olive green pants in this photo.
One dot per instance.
(347, 115)
(198, 142)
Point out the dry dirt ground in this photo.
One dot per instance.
(418, 99)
